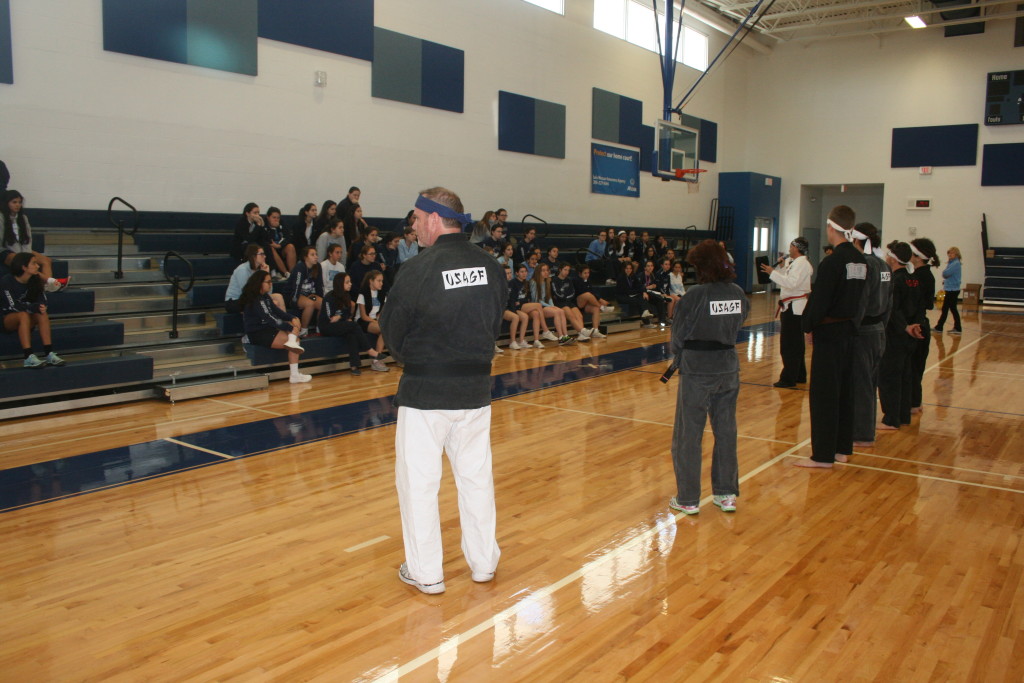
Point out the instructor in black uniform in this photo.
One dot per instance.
(830, 321)
(443, 315)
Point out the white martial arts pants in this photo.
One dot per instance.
(419, 440)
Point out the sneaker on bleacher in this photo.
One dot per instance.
(54, 360)
(33, 361)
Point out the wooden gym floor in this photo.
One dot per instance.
(256, 536)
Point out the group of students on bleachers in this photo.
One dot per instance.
(27, 276)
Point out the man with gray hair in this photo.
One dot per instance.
(443, 315)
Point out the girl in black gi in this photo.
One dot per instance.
(704, 331)
(23, 306)
(268, 326)
(901, 335)
(304, 290)
(923, 259)
(337, 319)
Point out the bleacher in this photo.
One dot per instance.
(116, 333)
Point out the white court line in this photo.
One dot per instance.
(933, 478)
(966, 371)
(198, 448)
(367, 544)
(932, 464)
(239, 405)
(630, 419)
(528, 602)
(947, 357)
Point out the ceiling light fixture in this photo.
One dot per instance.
(915, 21)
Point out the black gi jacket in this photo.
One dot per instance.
(835, 305)
(443, 315)
(902, 311)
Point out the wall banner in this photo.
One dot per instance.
(614, 170)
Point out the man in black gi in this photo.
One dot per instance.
(830, 321)
(443, 315)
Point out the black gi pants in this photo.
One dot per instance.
(791, 344)
(918, 361)
(831, 395)
(867, 358)
(894, 379)
(352, 334)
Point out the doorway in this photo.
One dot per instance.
(817, 200)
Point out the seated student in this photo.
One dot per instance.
(351, 199)
(563, 292)
(676, 279)
(617, 256)
(629, 289)
(388, 252)
(507, 256)
(531, 262)
(355, 226)
(248, 230)
(331, 266)
(369, 236)
(302, 235)
(526, 246)
(304, 290)
(333, 234)
(23, 306)
(409, 246)
(655, 299)
(279, 252)
(16, 238)
(337, 319)
(661, 244)
(496, 239)
(482, 228)
(664, 279)
(650, 255)
(551, 260)
(366, 262)
(520, 306)
(370, 301)
(404, 224)
(540, 292)
(322, 224)
(589, 301)
(255, 259)
(268, 326)
(596, 252)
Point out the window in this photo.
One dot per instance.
(633, 20)
(556, 6)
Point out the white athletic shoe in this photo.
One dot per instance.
(428, 588)
(537, 345)
(303, 332)
(596, 334)
(607, 309)
(585, 333)
(646, 314)
(549, 336)
(514, 345)
(483, 577)
(498, 349)
(293, 344)
(299, 378)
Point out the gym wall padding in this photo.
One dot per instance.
(708, 150)
(1002, 164)
(647, 148)
(342, 28)
(6, 58)
(935, 146)
(415, 71)
(530, 126)
(218, 35)
(616, 118)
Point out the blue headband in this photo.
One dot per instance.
(430, 206)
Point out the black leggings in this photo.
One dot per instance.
(353, 336)
(949, 306)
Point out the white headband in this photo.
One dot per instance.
(857, 234)
(848, 234)
(909, 266)
(877, 251)
(917, 252)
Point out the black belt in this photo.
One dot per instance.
(447, 369)
(871, 320)
(703, 345)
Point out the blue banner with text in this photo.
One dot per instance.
(614, 170)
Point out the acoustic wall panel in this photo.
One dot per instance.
(341, 27)
(408, 69)
(708, 142)
(616, 118)
(6, 57)
(935, 146)
(647, 148)
(218, 35)
(530, 126)
(1001, 164)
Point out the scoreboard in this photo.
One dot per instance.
(1004, 98)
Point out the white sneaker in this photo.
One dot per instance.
(377, 365)
(303, 332)
(596, 334)
(293, 344)
(607, 309)
(498, 349)
(646, 314)
(299, 378)
(537, 345)
(609, 281)
(483, 577)
(428, 588)
(549, 336)
(585, 333)
(514, 345)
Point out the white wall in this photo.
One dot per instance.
(825, 115)
(81, 125)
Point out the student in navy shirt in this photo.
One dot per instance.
(304, 290)
(268, 326)
(23, 306)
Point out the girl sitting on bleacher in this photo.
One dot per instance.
(331, 267)
(664, 278)
(23, 306)
(323, 220)
(540, 292)
(618, 255)
(355, 226)
(630, 291)
(337, 319)
(255, 259)
(16, 238)
(526, 245)
(304, 290)
(507, 257)
(333, 234)
(588, 300)
(519, 292)
(248, 230)
(302, 234)
(517, 318)
(655, 299)
(268, 326)
(563, 291)
(280, 254)
(370, 302)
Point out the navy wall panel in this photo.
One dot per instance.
(344, 28)
(443, 77)
(616, 118)
(631, 115)
(1003, 164)
(935, 146)
(647, 148)
(222, 35)
(708, 142)
(147, 28)
(515, 122)
(6, 56)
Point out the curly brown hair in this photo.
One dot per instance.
(711, 262)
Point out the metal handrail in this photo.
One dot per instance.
(176, 282)
(121, 231)
(530, 215)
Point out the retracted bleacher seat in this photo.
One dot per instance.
(315, 348)
(230, 323)
(75, 336)
(81, 375)
(185, 242)
(207, 294)
(71, 300)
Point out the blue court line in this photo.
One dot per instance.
(77, 475)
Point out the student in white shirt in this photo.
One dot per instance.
(331, 266)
